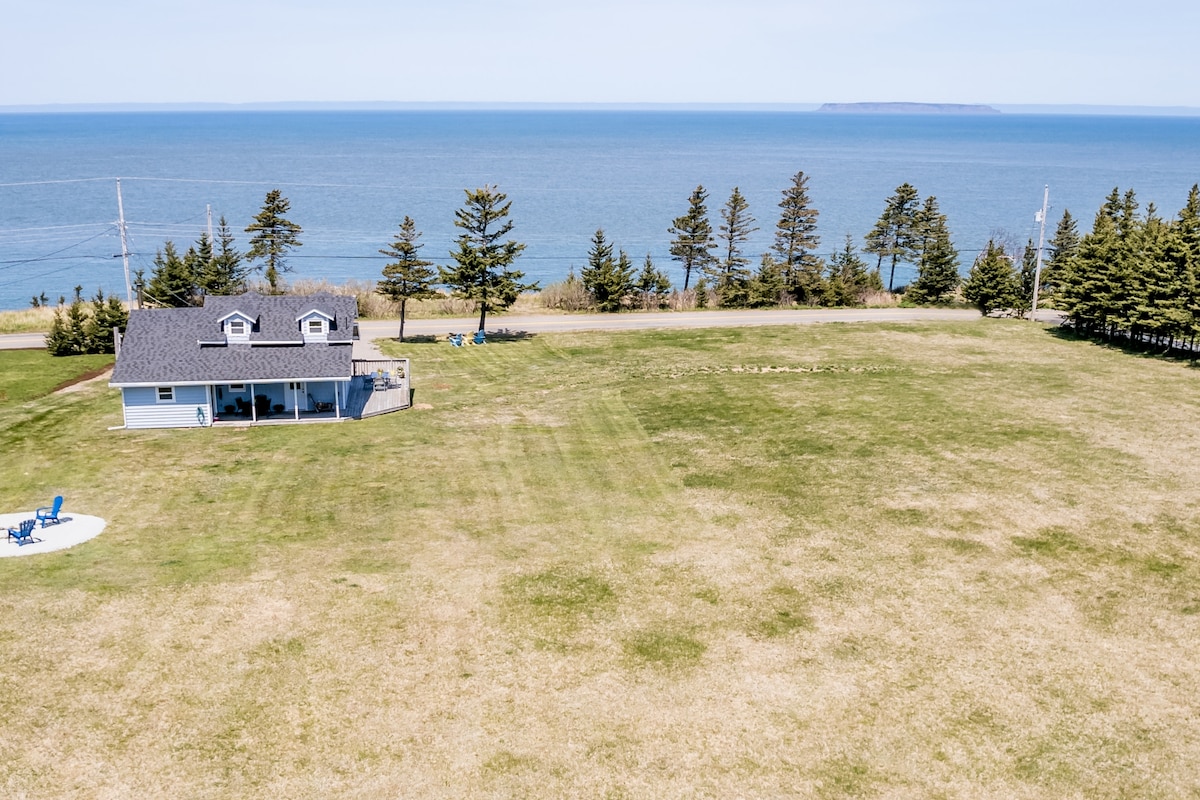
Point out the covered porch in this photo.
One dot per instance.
(255, 402)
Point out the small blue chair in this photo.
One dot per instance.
(456, 340)
(23, 533)
(479, 339)
(49, 514)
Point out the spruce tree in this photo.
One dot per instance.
(896, 232)
(693, 243)
(937, 259)
(653, 284)
(408, 277)
(172, 281)
(992, 284)
(1062, 246)
(272, 237)
(107, 313)
(483, 262)
(609, 281)
(731, 274)
(224, 273)
(796, 241)
(849, 277)
(768, 287)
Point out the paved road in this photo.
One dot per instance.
(381, 329)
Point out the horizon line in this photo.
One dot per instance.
(439, 105)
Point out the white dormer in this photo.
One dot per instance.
(314, 325)
(237, 326)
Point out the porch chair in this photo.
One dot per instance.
(478, 338)
(23, 533)
(49, 514)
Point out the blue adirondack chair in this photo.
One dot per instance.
(23, 533)
(49, 514)
(478, 338)
(456, 340)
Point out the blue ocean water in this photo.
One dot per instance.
(352, 176)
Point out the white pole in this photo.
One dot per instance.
(124, 244)
(1037, 273)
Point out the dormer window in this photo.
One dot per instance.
(235, 327)
(315, 325)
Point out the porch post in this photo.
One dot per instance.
(253, 405)
(295, 404)
(337, 400)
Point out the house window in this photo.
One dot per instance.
(166, 394)
(295, 387)
(236, 327)
(316, 326)
(237, 387)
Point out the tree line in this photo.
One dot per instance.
(1135, 275)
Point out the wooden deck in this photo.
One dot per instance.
(379, 386)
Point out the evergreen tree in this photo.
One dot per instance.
(106, 315)
(609, 281)
(1086, 293)
(1026, 279)
(483, 262)
(1162, 282)
(1062, 246)
(731, 274)
(693, 243)
(768, 287)
(653, 284)
(992, 284)
(849, 278)
(223, 273)
(937, 259)
(68, 332)
(702, 292)
(896, 232)
(796, 240)
(172, 281)
(408, 277)
(272, 237)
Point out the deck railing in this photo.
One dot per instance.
(367, 366)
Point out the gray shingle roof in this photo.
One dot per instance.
(163, 345)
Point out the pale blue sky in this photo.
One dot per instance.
(607, 51)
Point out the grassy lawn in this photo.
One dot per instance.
(834, 561)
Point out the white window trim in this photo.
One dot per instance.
(158, 394)
(321, 326)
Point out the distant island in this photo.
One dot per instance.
(906, 108)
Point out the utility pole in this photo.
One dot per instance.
(124, 246)
(208, 210)
(1037, 273)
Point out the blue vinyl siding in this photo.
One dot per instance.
(143, 409)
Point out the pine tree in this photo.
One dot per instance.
(1085, 293)
(483, 262)
(796, 241)
(172, 282)
(272, 237)
(223, 274)
(937, 259)
(992, 284)
(768, 287)
(107, 313)
(408, 277)
(896, 232)
(653, 284)
(1026, 279)
(609, 281)
(1063, 246)
(693, 243)
(849, 278)
(731, 274)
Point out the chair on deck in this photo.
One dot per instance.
(49, 514)
(319, 407)
(23, 533)
(479, 339)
